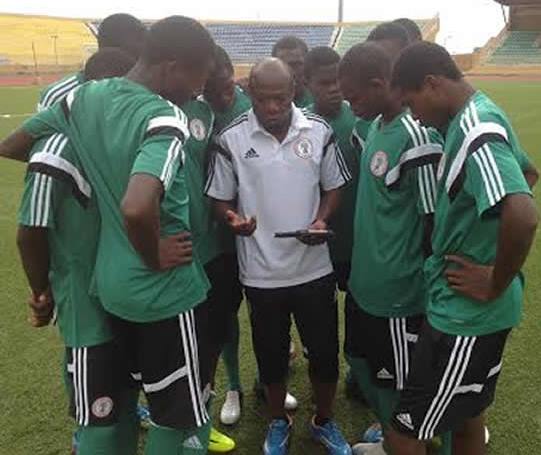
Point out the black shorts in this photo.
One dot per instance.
(452, 379)
(170, 358)
(95, 380)
(224, 297)
(342, 271)
(387, 344)
(313, 305)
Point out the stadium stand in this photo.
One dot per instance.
(44, 41)
(518, 48)
(249, 42)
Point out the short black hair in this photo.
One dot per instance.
(289, 42)
(222, 61)
(124, 31)
(411, 27)
(366, 61)
(420, 60)
(390, 31)
(318, 57)
(178, 38)
(108, 62)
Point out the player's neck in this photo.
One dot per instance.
(326, 112)
(459, 94)
(393, 109)
(142, 75)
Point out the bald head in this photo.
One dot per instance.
(271, 71)
(272, 87)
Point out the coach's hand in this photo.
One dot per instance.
(41, 309)
(240, 225)
(309, 239)
(470, 279)
(175, 250)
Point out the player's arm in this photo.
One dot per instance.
(152, 174)
(531, 175)
(500, 189)
(221, 187)
(17, 145)
(334, 175)
(35, 218)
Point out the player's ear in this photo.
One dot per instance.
(432, 82)
(377, 84)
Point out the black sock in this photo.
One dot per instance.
(320, 422)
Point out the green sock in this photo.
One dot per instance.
(97, 440)
(196, 442)
(387, 399)
(230, 356)
(168, 441)
(120, 438)
(446, 444)
(128, 424)
(361, 372)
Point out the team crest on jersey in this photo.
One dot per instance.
(198, 129)
(379, 163)
(441, 167)
(102, 407)
(303, 148)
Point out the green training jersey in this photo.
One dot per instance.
(362, 127)
(396, 191)
(305, 100)
(343, 125)
(58, 198)
(241, 104)
(481, 166)
(119, 128)
(204, 226)
(57, 91)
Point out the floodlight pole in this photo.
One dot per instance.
(340, 11)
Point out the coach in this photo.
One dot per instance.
(279, 169)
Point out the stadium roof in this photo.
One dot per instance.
(519, 2)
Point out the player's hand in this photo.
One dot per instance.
(311, 240)
(240, 225)
(472, 280)
(41, 309)
(175, 250)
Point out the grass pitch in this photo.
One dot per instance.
(33, 416)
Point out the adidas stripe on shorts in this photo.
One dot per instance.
(452, 378)
(387, 344)
(170, 360)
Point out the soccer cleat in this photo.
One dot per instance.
(277, 440)
(75, 442)
(290, 402)
(330, 436)
(367, 448)
(219, 442)
(374, 433)
(144, 416)
(231, 409)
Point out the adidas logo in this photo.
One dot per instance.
(251, 154)
(193, 443)
(405, 419)
(384, 374)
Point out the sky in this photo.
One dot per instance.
(465, 24)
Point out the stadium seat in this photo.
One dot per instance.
(64, 42)
(518, 48)
(247, 43)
